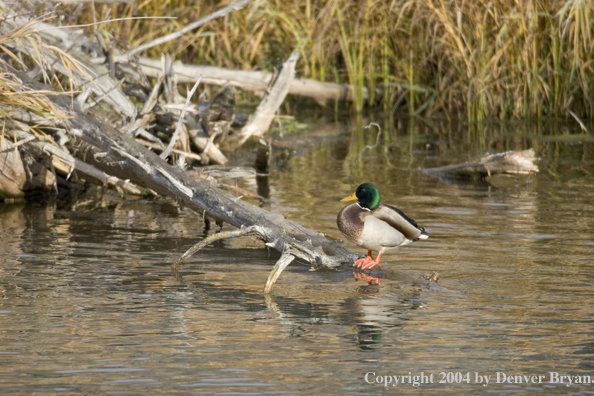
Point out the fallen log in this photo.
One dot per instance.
(255, 81)
(510, 162)
(66, 162)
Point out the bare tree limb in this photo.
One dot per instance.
(155, 146)
(260, 120)
(256, 81)
(244, 231)
(180, 122)
(285, 259)
(12, 171)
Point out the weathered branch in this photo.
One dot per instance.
(180, 122)
(260, 121)
(12, 171)
(155, 146)
(73, 163)
(288, 255)
(88, 170)
(245, 231)
(510, 162)
(256, 81)
(285, 259)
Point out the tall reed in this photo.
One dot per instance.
(476, 59)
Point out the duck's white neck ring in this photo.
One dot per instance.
(361, 207)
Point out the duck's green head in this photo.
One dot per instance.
(368, 196)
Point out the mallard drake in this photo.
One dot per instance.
(375, 226)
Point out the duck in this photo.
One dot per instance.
(375, 226)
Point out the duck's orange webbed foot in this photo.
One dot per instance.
(361, 263)
(371, 263)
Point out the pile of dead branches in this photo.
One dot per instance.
(165, 122)
(68, 119)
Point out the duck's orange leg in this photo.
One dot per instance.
(372, 263)
(364, 261)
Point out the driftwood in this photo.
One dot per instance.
(510, 162)
(205, 131)
(33, 176)
(91, 76)
(180, 123)
(155, 146)
(260, 121)
(256, 81)
(208, 125)
(12, 171)
(68, 164)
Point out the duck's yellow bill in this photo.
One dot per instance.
(352, 197)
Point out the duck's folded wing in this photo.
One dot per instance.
(401, 222)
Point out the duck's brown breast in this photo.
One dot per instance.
(350, 222)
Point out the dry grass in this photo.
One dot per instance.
(477, 59)
(16, 97)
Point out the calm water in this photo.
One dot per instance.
(88, 303)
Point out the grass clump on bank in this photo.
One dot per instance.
(474, 59)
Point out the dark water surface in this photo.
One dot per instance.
(88, 303)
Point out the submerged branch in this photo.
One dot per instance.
(244, 231)
(282, 263)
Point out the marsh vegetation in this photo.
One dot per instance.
(471, 59)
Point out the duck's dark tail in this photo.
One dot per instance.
(424, 234)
